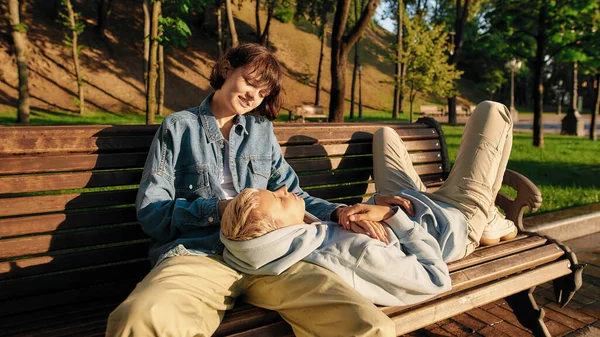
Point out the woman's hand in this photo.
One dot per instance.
(373, 229)
(394, 200)
(362, 212)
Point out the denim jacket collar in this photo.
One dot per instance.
(209, 122)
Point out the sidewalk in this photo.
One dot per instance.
(550, 121)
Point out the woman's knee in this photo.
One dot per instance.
(160, 313)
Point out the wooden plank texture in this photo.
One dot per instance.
(24, 287)
(40, 244)
(61, 202)
(424, 315)
(72, 162)
(55, 263)
(56, 182)
(51, 222)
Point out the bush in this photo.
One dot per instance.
(284, 12)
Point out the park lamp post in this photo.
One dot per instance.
(560, 91)
(360, 91)
(513, 66)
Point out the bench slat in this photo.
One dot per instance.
(19, 288)
(341, 191)
(51, 222)
(56, 182)
(117, 290)
(305, 151)
(21, 146)
(56, 316)
(54, 263)
(41, 244)
(346, 135)
(73, 162)
(506, 248)
(498, 268)
(60, 202)
(423, 315)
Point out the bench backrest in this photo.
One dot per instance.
(68, 230)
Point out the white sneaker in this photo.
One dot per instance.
(499, 229)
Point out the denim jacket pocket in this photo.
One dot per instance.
(261, 171)
(192, 182)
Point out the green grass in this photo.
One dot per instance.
(46, 117)
(566, 170)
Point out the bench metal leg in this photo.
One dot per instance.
(528, 313)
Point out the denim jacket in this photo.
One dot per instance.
(177, 203)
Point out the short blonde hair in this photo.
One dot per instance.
(242, 221)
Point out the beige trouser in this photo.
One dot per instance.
(476, 176)
(188, 296)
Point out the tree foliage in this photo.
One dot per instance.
(426, 59)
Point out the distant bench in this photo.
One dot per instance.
(71, 248)
(308, 111)
(431, 110)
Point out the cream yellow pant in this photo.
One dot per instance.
(476, 176)
(188, 296)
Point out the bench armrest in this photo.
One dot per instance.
(528, 195)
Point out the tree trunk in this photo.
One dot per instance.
(147, 22)
(353, 86)
(18, 32)
(355, 68)
(152, 74)
(319, 70)
(462, 13)
(397, 66)
(538, 82)
(593, 131)
(103, 14)
(234, 37)
(264, 37)
(575, 88)
(218, 11)
(161, 80)
(75, 52)
(257, 17)
(340, 47)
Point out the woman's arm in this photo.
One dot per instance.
(163, 216)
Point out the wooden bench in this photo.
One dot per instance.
(309, 111)
(71, 250)
(431, 110)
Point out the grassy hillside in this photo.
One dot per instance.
(113, 68)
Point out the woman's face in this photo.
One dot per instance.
(239, 96)
(285, 208)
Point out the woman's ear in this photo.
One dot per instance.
(227, 68)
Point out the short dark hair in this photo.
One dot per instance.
(261, 68)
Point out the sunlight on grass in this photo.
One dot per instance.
(8, 117)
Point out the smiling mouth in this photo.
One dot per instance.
(244, 102)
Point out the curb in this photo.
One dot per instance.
(566, 224)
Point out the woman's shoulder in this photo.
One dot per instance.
(184, 118)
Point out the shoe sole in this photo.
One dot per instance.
(490, 242)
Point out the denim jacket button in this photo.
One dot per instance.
(191, 186)
(210, 219)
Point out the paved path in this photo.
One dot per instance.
(550, 121)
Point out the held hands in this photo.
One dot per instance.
(394, 200)
(365, 219)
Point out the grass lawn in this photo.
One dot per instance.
(45, 117)
(566, 170)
